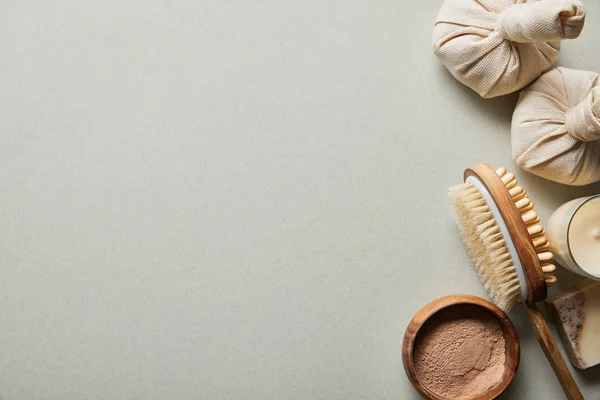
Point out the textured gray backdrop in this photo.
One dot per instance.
(224, 199)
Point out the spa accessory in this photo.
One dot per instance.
(460, 347)
(574, 233)
(497, 47)
(502, 233)
(556, 127)
(577, 315)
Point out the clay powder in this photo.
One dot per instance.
(459, 352)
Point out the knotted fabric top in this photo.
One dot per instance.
(583, 120)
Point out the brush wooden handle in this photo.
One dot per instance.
(552, 353)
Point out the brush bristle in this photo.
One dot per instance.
(485, 243)
(483, 240)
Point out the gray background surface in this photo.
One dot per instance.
(224, 199)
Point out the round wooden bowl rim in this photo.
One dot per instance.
(435, 306)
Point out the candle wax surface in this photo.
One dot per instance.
(584, 236)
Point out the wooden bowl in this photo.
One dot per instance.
(512, 348)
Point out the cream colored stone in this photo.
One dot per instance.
(577, 314)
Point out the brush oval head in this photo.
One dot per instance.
(503, 235)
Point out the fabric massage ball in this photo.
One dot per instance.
(497, 47)
(556, 127)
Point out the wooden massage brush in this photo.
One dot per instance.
(503, 236)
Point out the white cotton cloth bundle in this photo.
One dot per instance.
(497, 47)
(556, 127)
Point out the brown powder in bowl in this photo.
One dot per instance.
(459, 352)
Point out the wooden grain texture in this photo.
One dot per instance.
(536, 285)
(512, 352)
(552, 353)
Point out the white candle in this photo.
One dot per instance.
(584, 236)
(574, 234)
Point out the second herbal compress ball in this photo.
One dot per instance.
(556, 127)
(497, 47)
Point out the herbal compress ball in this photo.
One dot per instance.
(556, 127)
(497, 47)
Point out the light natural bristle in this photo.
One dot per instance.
(486, 246)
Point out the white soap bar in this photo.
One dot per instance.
(577, 315)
